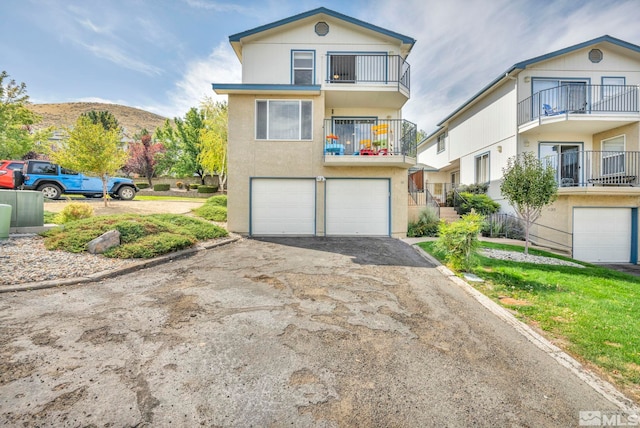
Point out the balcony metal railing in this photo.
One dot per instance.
(596, 168)
(370, 137)
(374, 68)
(579, 99)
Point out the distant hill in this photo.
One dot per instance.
(131, 119)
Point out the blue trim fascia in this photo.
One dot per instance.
(264, 87)
(634, 236)
(293, 51)
(322, 10)
(524, 64)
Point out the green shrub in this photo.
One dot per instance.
(479, 203)
(73, 211)
(151, 246)
(194, 185)
(207, 189)
(220, 200)
(459, 240)
(426, 225)
(75, 235)
(161, 187)
(476, 189)
(142, 185)
(211, 212)
(179, 184)
(49, 217)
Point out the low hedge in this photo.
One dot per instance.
(142, 185)
(161, 187)
(207, 189)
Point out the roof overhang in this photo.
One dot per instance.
(262, 89)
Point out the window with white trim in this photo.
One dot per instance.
(283, 120)
(482, 168)
(441, 142)
(612, 86)
(613, 156)
(303, 64)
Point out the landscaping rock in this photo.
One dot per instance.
(103, 242)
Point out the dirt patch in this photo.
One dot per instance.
(129, 207)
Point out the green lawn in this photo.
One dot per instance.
(591, 312)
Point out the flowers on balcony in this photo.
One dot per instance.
(332, 137)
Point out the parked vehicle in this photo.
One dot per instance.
(53, 180)
(6, 172)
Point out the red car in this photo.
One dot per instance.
(6, 172)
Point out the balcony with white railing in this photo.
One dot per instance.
(370, 142)
(601, 171)
(359, 80)
(612, 105)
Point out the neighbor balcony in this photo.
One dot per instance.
(597, 170)
(370, 142)
(373, 80)
(610, 105)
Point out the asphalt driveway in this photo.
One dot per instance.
(297, 332)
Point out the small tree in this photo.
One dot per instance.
(105, 118)
(91, 148)
(459, 240)
(529, 185)
(143, 156)
(16, 119)
(213, 153)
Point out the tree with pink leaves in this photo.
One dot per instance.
(143, 156)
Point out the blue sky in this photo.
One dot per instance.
(163, 55)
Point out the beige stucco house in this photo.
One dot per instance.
(577, 109)
(317, 142)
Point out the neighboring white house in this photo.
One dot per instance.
(577, 108)
(317, 142)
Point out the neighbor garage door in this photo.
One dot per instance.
(357, 207)
(602, 235)
(283, 206)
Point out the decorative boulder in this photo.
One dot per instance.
(103, 242)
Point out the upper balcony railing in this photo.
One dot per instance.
(369, 69)
(596, 168)
(370, 137)
(578, 98)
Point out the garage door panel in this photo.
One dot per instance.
(602, 235)
(283, 207)
(357, 207)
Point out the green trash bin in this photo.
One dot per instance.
(5, 220)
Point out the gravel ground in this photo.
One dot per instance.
(526, 258)
(25, 259)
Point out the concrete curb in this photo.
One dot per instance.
(604, 388)
(117, 272)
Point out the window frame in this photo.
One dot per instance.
(301, 121)
(294, 68)
(441, 144)
(605, 94)
(607, 161)
(477, 158)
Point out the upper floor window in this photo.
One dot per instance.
(283, 120)
(441, 142)
(482, 168)
(303, 66)
(613, 156)
(612, 86)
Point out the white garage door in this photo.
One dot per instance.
(602, 235)
(283, 206)
(357, 207)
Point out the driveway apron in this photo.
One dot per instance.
(321, 332)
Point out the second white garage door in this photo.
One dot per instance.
(602, 235)
(283, 206)
(357, 207)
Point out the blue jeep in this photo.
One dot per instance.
(53, 180)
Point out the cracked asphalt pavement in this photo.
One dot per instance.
(321, 332)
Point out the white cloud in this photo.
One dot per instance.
(221, 66)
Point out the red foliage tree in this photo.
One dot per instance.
(143, 156)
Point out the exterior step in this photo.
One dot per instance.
(449, 214)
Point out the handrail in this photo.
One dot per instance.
(501, 219)
(579, 98)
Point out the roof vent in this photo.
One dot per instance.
(595, 55)
(322, 28)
